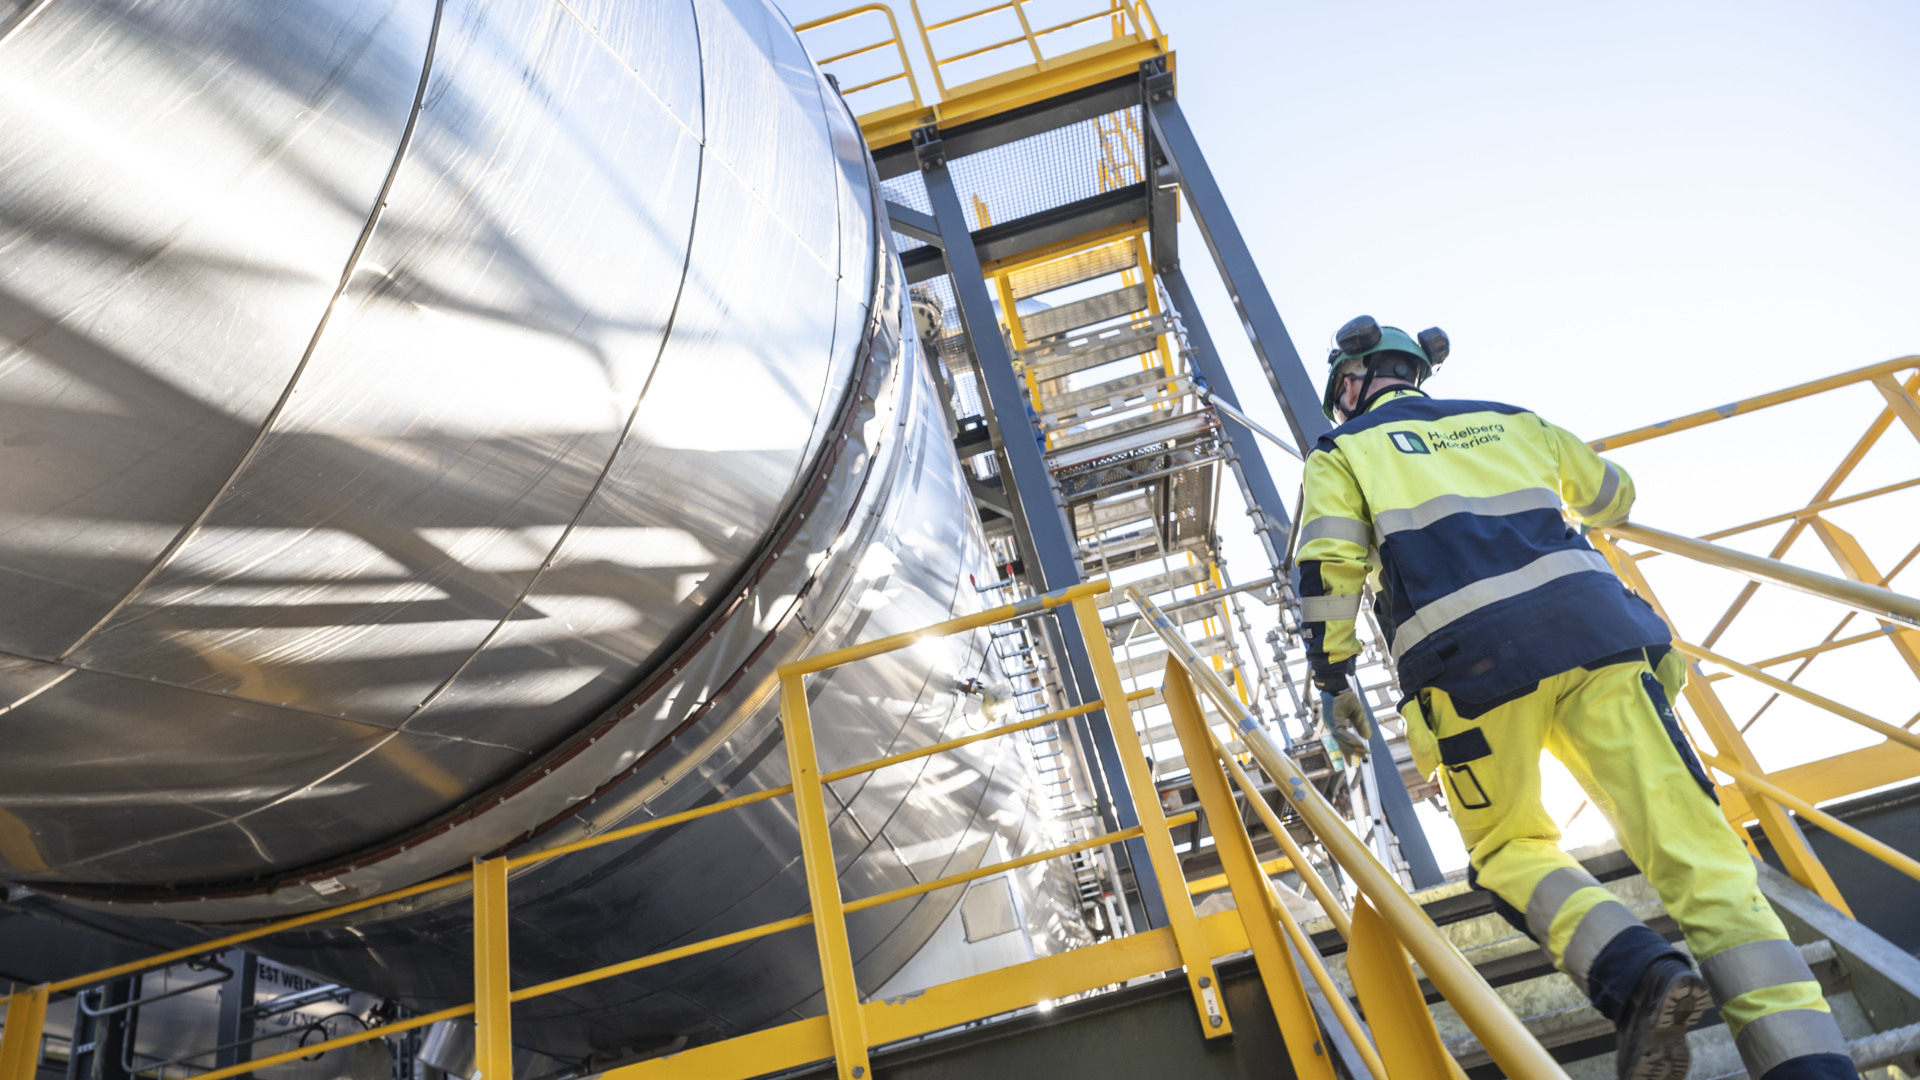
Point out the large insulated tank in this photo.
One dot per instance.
(423, 428)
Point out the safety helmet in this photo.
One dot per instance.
(1362, 339)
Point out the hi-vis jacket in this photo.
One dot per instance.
(1483, 587)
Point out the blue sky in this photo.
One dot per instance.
(1620, 213)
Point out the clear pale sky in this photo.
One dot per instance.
(1620, 213)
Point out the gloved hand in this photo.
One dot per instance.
(1347, 721)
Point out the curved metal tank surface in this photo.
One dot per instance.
(423, 429)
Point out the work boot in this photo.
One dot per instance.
(1653, 1033)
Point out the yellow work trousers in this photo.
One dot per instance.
(1613, 729)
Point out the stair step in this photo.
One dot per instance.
(1052, 322)
(1128, 436)
(1076, 406)
(1057, 359)
(1073, 269)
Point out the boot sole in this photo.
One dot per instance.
(1666, 1055)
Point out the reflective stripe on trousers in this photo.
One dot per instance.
(1607, 919)
(1778, 1035)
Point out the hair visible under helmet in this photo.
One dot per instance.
(1364, 346)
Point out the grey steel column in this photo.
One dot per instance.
(1422, 867)
(236, 1015)
(1271, 343)
(1040, 521)
(1298, 397)
(1269, 511)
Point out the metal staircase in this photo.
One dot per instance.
(1872, 985)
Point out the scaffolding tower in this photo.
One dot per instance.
(1036, 207)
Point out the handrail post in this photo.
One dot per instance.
(1251, 894)
(492, 979)
(1506, 1039)
(842, 993)
(1391, 999)
(1795, 854)
(1201, 978)
(20, 1043)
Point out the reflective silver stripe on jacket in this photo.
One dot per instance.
(1609, 485)
(1388, 522)
(1551, 895)
(1598, 927)
(1753, 966)
(1783, 1036)
(1339, 528)
(1329, 608)
(1471, 598)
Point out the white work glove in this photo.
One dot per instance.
(1347, 722)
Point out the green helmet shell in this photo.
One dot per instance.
(1392, 340)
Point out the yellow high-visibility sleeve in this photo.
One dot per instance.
(1597, 490)
(1335, 536)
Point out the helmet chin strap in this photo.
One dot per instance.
(1362, 399)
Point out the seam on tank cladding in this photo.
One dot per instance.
(326, 315)
(1388, 522)
(1487, 591)
(1551, 895)
(1754, 966)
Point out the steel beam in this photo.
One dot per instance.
(1011, 239)
(1040, 523)
(910, 222)
(1272, 345)
(1011, 126)
(1397, 805)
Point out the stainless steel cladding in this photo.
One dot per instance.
(423, 428)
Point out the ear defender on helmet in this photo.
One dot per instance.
(1359, 336)
(1363, 338)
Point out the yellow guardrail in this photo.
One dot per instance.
(914, 107)
(1755, 793)
(1385, 919)
(851, 1025)
(976, 34)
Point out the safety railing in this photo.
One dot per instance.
(1754, 793)
(865, 72)
(1091, 42)
(1385, 919)
(852, 1025)
(1129, 22)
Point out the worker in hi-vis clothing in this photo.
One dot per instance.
(1511, 635)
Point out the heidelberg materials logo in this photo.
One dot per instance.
(1408, 443)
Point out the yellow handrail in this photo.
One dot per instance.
(1881, 603)
(899, 45)
(1505, 1038)
(494, 995)
(1863, 590)
(1892, 857)
(1870, 373)
(1899, 735)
